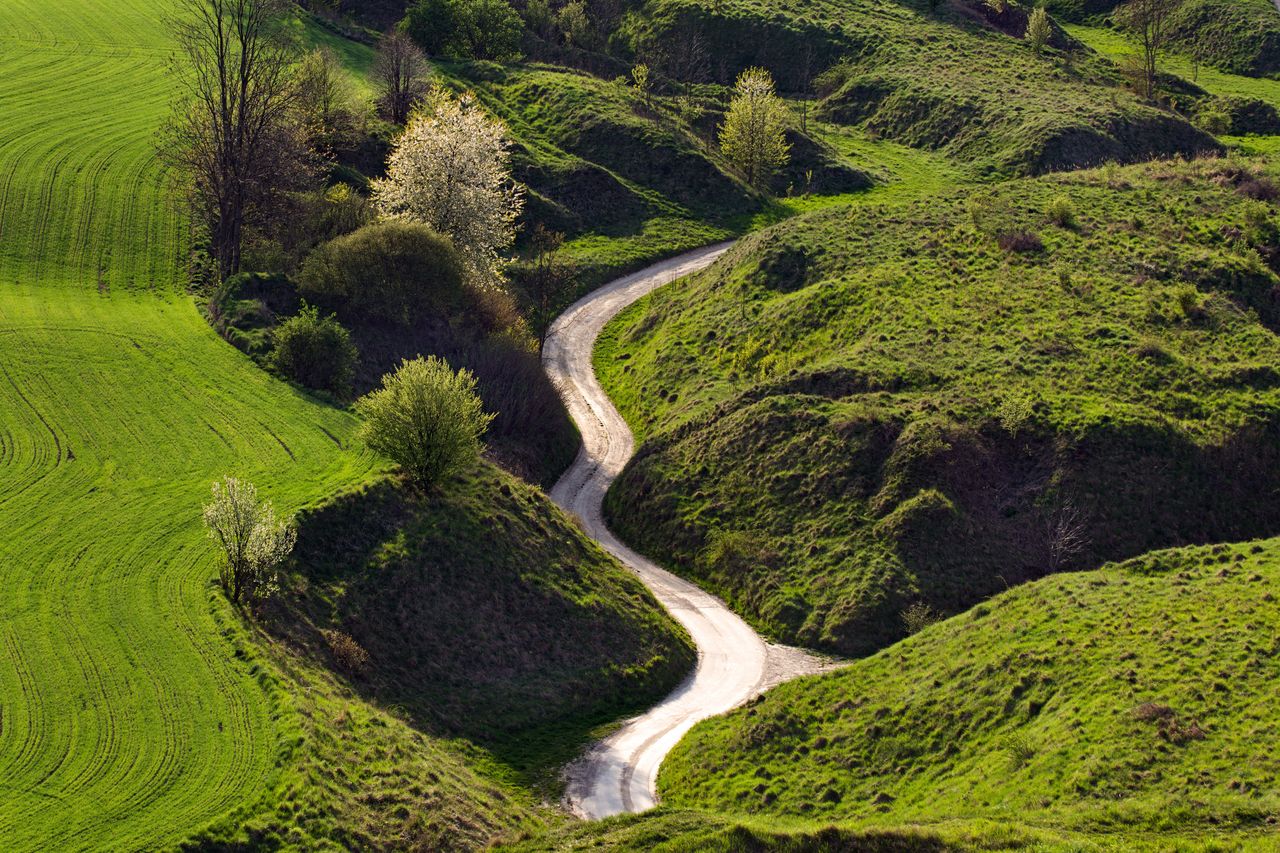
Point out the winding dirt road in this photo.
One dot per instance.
(619, 773)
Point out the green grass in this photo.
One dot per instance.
(878, 405)
(137, 710)
(128, 718)
(1139, 700)
(486, 615)
(674, 830)
(949, 80)
(82, 201)
(1237, 36)
(1114, 45)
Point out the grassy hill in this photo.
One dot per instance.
(889, 405)
(1134, 699)
(1238, 36)
(485, 614)
(959, 79)
(136, 708)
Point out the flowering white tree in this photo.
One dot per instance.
(253, 543)
(450, 170)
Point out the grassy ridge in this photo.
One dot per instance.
(485, 614)
(1138, 698)
(880, 405)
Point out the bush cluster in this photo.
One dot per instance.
(391, 270)
(315, 351)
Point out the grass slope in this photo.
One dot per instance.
(1236, 36)
(485, 614)
(136, 709)
(628, 179)
(878, 405)
(1136, 699)
(81, 198)
(128, 719)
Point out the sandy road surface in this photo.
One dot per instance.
(734, 663)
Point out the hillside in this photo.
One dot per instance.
(1137, 698)
(630, 178)
(890, 405)
(1239, 36)
(959, 79)
(137, 709)
(484, 612)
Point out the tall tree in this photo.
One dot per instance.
(400, 70)
(1149, 20)
(450, 170)
(753, 134)
(233, 132)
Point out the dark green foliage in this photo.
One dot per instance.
(393, 270)
(315, 351)
(246, 307)
(1105, 702)
(484, 613)
(901, 410)
(465, 29)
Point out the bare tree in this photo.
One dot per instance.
(806, 86)
(686, 56)
(548, 279)
(1066, 535)
(1149, 20)
(400, 70)
(233, 134)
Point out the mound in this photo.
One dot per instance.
(482, 611)
(960, 80)
(874, 408)
(1138, 698)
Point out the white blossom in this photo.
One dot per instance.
(450, 170)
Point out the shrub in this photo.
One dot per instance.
(315, 351)
(253, 543)
(348, 655)
(467, 29)
(919, 616)
(1023, 242)
(392, 270)
(1215, 122)
(1190, 303)
(426, 418)
(1259, 189)
(1039, 30)
(1062, 212)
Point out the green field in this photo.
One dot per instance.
(136, 707)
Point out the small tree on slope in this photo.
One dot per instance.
(253, 543)
(426, 418)
(450, 170)
(752, 136)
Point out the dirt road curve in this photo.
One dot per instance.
(734, 663)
